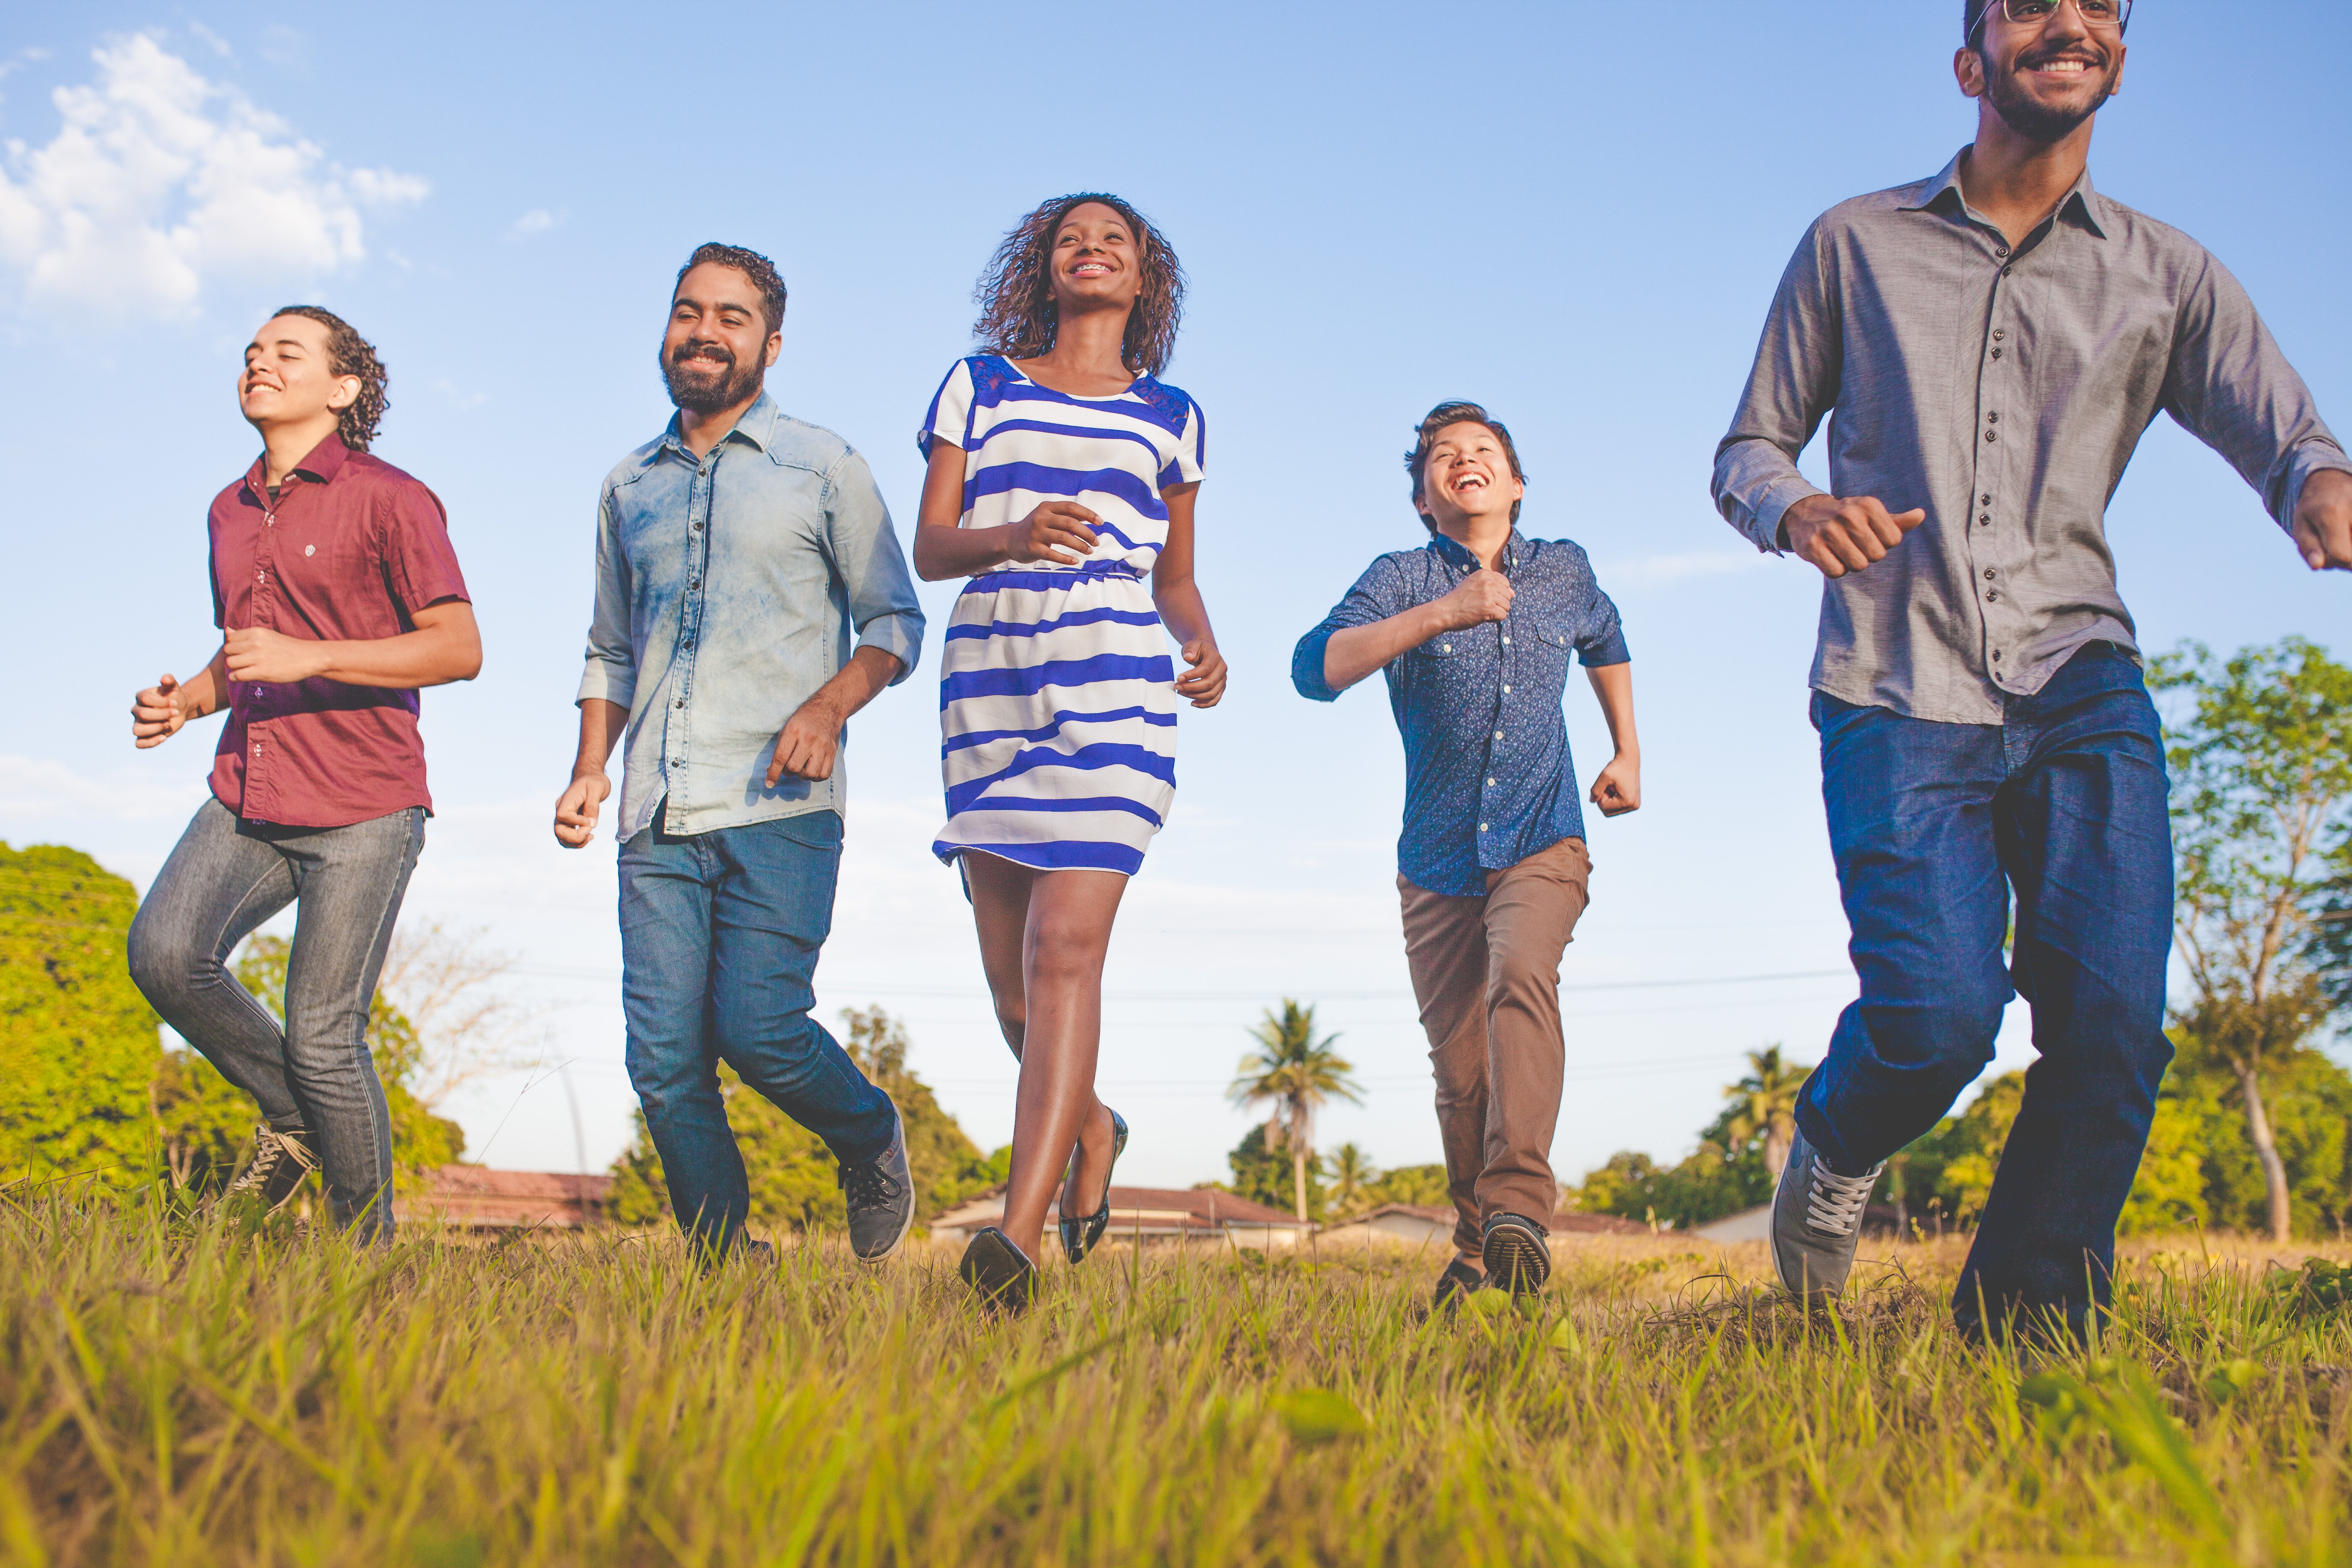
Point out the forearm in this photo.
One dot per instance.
(449, 649)
(1182, 610)
(1613, 684)
(206, 691)
(856, 683)
(949, 551)
(1357, 651)
(602, 725)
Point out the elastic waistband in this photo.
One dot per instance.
(1049, 576)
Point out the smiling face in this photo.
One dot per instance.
(2045, 80)
(289, 377)
(1095, 264)
(1467, 477)
(719, 344)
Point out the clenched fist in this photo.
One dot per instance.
(1480, 597)
(156, 715)
(1843, 536)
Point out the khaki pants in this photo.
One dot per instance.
(1486, 974)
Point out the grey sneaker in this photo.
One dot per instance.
(1817, 1221)
(1515, 1256)
(280, 1162)
(881, 1198)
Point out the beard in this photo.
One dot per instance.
(703, 377)
(2041, 122)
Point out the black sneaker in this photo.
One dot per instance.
(280, 1162)
(1515, 1256)
(1458, 1280)
(880, 1193)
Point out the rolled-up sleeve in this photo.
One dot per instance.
(2231, 387)
(1378, 594)
(1793, 383)
(874, 575)
(1600, 633)
(611, 672)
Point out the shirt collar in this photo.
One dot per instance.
(2082, 206)
(320, 464)
(756, 428)
(1456, 554)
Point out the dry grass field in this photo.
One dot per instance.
(185, 1390)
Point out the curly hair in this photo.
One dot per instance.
(348, 353)
(751, 264)
(1424, 436)
(1017, 314)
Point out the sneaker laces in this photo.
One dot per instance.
(1833, 1205)
(868, 1185)
(271, 1149)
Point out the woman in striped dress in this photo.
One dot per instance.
(1062, 476)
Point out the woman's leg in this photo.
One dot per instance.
(1042, 939)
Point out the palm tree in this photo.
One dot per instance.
(1352, 1175)
(1297, 1072)
(1767, 1102)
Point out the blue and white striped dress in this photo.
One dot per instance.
(1058, 695)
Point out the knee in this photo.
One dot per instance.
(1957, 1027)
(1520, 980)
(1062, 953)
(1013, 1021)
(165, 964)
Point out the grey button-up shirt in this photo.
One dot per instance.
(2003, 393)
(726, 590)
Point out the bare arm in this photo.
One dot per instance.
(1058, 532)
(160, 712)
(810, 742)
(1178, 599)
(446, 646)
(1618, 789)
(600, 724)
(1355, 653)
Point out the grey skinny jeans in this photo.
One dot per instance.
(226, 878)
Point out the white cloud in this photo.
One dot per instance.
(537, 221)
(37, 789)
(160, 181)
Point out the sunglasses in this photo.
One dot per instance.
(2106, 15)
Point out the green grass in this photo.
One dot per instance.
(186, 1393)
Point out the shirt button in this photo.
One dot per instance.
(1507, 692)
(2007, 271)
(1498, 734)
(1506, 640)
(1992, 419)
(1985, 521)
(2000, 251)
(1990, 597)
(1999, 333)
(1992, 435)
(1996, 353)
(1985, 499)
(1996, 656)
(1988, 573)
(1490, 784)
(1447, 648)
(1482, 827)
(681, 702)
(262, 576)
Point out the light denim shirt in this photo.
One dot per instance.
(2004, 393)
(726, 590)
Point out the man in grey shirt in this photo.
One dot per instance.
(1988, 345)
(735, 555)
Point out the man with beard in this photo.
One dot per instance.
(1989, 345)
(734, 556)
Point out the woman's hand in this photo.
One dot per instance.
(1051, 528)
(1204, 683)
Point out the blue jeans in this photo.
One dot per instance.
(720, 936)
(1934, 827)
(225, 876)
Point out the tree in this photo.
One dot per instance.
(2262, 771)
(1764, 1105)
(78, 1042)
(1297, 1073)
(466, 1025)
(1352, 1174)
(1262, 1172)
(1422, 1186)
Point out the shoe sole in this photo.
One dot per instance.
(994, 1268)
(1515, 1260)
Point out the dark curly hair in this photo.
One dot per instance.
(1016, 292)
(1416, 461)
(348, 353)
(751, 264)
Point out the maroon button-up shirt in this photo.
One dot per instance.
(349, 550)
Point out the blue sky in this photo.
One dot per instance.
(1575, 213)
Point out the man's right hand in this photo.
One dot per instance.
(1051, 528)
(155, 713)
(1481, 597)
(1843, 536)
(575, 814)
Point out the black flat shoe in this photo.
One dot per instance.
(1079, 1235)
(1458, 1280)
(1000, 1271)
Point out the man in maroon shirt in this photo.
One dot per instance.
(339, 596)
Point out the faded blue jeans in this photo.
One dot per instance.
(720, 937)
(1935, 827)
(227, 876)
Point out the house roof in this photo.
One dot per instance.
(477, 1196)
(1160, 1210)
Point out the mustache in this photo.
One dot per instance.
(2043, 54)
(703, 349)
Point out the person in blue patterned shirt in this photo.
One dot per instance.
(1473, 631)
